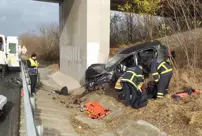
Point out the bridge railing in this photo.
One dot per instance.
(32, 129)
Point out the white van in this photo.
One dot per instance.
(12, 49)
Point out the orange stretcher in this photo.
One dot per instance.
(95, 110)
(186, 93)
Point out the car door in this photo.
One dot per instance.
(145, 57)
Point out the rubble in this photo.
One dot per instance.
(138, 128)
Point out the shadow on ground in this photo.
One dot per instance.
(46, 131)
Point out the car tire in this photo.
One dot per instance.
(15, 82)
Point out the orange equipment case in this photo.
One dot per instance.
(95, 110)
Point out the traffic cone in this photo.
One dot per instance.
(22, 92)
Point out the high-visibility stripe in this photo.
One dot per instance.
(118, 84)
(135, 74)
(162, 63)
(159, 93)
(159, 96)
(33, 63)
(132, 83)
(156, 73)
(156, 80)
(166, 71)
(131, 79)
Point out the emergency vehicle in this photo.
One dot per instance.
(13, 51)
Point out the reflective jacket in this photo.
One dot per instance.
(118, 84)
(32, 66)
(134, 76)
(158, 68)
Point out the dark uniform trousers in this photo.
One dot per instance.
(131, 95)
(33, 79)
(162, 74)
(163, 83)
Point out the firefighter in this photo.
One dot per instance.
(32, 65)
(162, 74)
(129, 84)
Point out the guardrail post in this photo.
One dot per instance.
(32, 100)
(29, 89)
(40, 130)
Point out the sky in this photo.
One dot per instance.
(19, 16)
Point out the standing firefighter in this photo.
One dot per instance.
(162, 74)
(32, 65)
(130, 85)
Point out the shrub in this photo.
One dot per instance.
(45, 43)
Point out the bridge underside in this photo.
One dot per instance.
(85, 32)
(165, 11)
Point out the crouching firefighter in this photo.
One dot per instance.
(32, 65)
(162, 74)
(129, 84)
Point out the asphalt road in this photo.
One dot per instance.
(9, 123)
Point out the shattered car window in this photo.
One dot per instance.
(113, 61)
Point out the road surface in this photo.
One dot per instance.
(9, 124)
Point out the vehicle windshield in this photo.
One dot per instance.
(111, 62)
(12, 47)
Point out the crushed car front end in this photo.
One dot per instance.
(96, 76)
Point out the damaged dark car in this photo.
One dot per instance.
(104, 76)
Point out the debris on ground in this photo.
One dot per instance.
(13, 82)
(186, 93)
(63, 91)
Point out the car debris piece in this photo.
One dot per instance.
(13, 82)
(63, 91)
(95, 110)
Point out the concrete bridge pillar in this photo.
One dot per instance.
(85, 32)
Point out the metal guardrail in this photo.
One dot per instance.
(29, 106)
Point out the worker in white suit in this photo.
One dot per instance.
(3, 62)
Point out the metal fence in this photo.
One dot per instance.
(32, 129)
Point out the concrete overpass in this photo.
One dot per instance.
(85, 33)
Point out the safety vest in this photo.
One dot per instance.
(162, 68)
(33, 71)
(118, 84)
(134, 77)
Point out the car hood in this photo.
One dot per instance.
(95, 70)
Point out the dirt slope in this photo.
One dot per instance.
(177, 118)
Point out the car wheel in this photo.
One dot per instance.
(90, 88)
(106, 86)
(15, 81)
